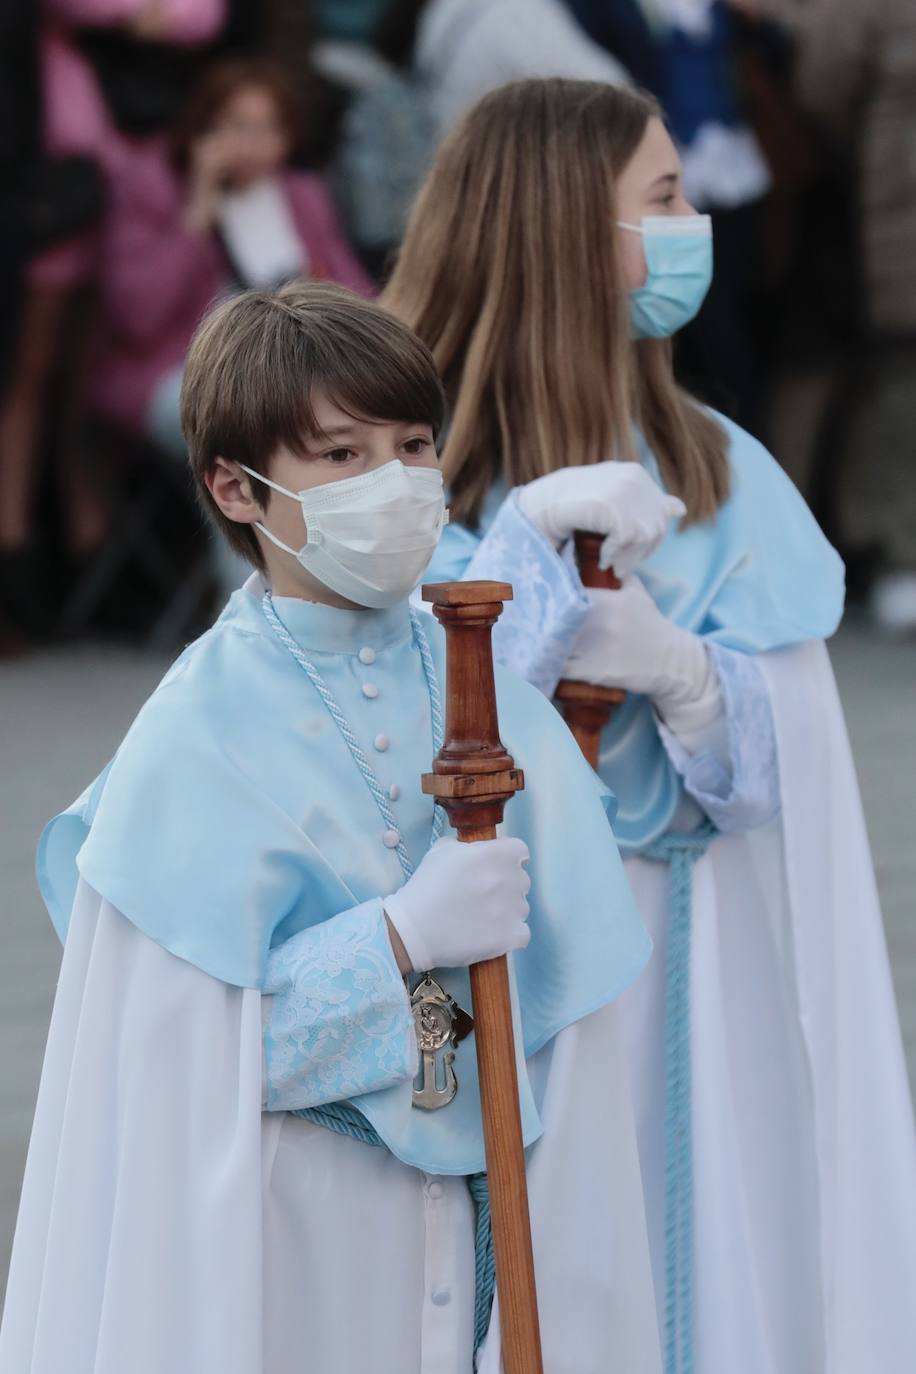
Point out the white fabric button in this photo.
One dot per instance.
(366, 655)
(381, 743)
(391, 839)
(435, 1190)
(370, 690)
(394, 791)
(441, 1297)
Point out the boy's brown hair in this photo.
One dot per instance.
(257, 360)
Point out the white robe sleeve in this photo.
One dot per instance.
(732, 773)
(535, 634)
(138, 1245)
(863, 1117)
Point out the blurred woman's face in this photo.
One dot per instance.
(255, 139)
(650, 184)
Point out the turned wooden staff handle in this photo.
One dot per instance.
(473, 777)
(588, 708)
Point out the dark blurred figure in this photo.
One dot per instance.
(106, 76)
(855, 70)
(19, 140)
(352, 21)
(684, 52)
(19, 146)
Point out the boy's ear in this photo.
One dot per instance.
(230, 488)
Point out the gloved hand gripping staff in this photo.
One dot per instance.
(587, 707)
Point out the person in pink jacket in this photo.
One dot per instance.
(76, 116)
(215, 209)
(76, 121)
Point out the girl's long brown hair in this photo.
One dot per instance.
(509, 274)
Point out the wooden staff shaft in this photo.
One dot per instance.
(473, 777)
(507, 1181)
(588, 708)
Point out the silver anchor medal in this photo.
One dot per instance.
(439, 1022)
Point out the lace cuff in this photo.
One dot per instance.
(742, 792)
(339, 1021)
(535, 633)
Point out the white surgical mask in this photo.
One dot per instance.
(678, 252)
(368, 538)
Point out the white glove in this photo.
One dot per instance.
(627, 642)
(618, 500)
(465, 902)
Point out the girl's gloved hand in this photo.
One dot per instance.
(627, 642)
(616, 499)
(465, 903)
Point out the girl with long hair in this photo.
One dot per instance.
(548, 259)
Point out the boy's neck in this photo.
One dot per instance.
(283, 583)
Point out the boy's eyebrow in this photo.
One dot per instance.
(333, 432)
(343, 431)
(666, 176)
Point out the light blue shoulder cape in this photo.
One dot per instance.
(233, 816)
(760, 576)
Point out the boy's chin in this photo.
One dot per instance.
(297, 582)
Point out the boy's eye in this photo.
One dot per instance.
(416, 446)
(339, 455)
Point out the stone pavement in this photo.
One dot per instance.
(62, 713)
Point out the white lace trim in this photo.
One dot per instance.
(340, 1021)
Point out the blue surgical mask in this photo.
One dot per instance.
(678, 251)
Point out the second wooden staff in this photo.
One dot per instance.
(588, 708)
(473, 777)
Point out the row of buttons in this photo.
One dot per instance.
(440, 1296)
(391, 838)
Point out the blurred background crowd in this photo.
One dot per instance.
(157, 153)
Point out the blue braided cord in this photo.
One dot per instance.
(681, 851)
(484, 1259)
(343, 725)
(344, 1119)
(435, 709)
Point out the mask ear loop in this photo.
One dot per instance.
(279, 542)
(634, 228)
(294, 496)
(275, 486)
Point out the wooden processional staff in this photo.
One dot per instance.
(588, 708)
(473, 777)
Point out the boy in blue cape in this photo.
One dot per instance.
(228, 1169)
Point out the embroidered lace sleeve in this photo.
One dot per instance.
(535, 633)
(337, 1016)
(740, 791)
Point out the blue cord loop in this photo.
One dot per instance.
(681, 852)
(343, 725)
(484, 1259)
